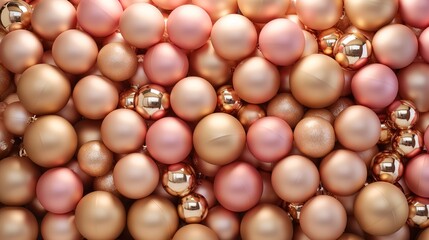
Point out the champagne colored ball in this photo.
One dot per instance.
(217, 8)
(59, 227)
(285, 106)
(417, 175)
(17, 223)
(195, 232)
(95, 158)
(319, 15)
(314, 136)
(15, 118)
(225, 223)
(117, 61)
(414, 84)
(87, 130)
(371, 15)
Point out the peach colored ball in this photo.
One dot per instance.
(424, 44)
(99, 18)
(375, 86)
(189, 27)
(415, 12)
(281, 41)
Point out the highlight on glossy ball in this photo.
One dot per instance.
(15, 15)
(352, 51)
(408, 143)
(228, 100)
(151, 101)
(418, 212)
(193, 208)
(178, 179)
(387, 166)
(402, 114)
(327, 40)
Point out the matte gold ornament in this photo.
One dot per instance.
(193, 208)
(150, 101)
(408, 143)
(15, 15)
(418, 215)
(227, 100)
(179, 179)
(327, 40)
(352, 51)
(387, 166)
(402, 114)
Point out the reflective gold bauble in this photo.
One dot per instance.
(327, 40)
(352, 51)
(152, 101)
(387, 166)
(418, 215)
(126, 98)
(193, 208)
(227, 100)
(386, 134)
(294, 210)
(408, 143)
(402, 114)
(14, 15)
(179, 179)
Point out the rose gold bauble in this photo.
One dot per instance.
(50, 18)
(69, 112)
(295, 179)
(169, 4)
(414, 84)
(123, 131)
(217, 8)
(281, 41)
(195, 232)
(343, 172)
(43, 89)
(317, 81)
(424, 45)
(285, 106)
(400, 51)
(178, 179)
(136, 175)
(59, 227)
(100, 215)
(117, 61)
(99, 18)
(234, 37)
(314, 137)
(142, 25)
(253, 87)
(50, 141)
(74, 51)
(263, 11)
(106, 183)
(250, 113)
(417, 175)
(95, 158)
(269, 139)
(321, 113)
(87, 130)
(17, 223)
(152, 218)
(319, 15)
(225, 223)
(165, 64)
(414, 12)
(16, 118)
(238, 186)
(219, 138)
(19, 50)
(371, 15)
(192, 98)
(376, 204)
(205, 168)
(126, 3)
(18, 180)
(357, 128)
(85, 178)
(205, 188)
(266, 221)
(323, 217)
(59, 190)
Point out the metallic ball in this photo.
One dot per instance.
(402, 114)
(193, 208)
(386, 134)
(408, 143)
(352, 51)
(227, 100)
(294, 210)
(179, 179)
(418, 215)
(127, 98)
(15, 15)
(387, 166)
(152, 101)
(327, 40)
(249, 114)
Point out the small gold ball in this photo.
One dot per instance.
(386, 134)
(15, 15)
(152, 101)
(126, 98)
(387, 166)
(228, 100)
(408, 143)
(327, 40)
(352, 51)
(402, 114)
(294, 210)
(418, 215)
(179, 179)
(193, 208)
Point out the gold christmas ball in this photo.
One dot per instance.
(193, 208)
(387, 166)
(126, 98)
(352, 51)
(402, 114)
(228, 100)
(294, 210)
(179, 179)
(386, 134)
(418, 215)
(15, 15)
(408, 143)
(152, 101)
(327, 40)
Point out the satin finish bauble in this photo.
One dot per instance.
(59, 227)
(16, 118)
(414, 84)
(18, 223)
(217, 8)
(371, 15)
(195, 232)
(319, 15)
(263, 11)
(314, 137)
(414, 12)
(117, 61)
(416, 175)
(225, 223)
(95, 159)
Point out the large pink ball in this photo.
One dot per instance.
(99, 18)
(238, 186)
(417, 175)
(375, 86)
(415, 12)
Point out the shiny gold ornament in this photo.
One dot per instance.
(294, 210)
(15, 15)
(402, 114)
(227, 100)
(150, 101)
(418, 215)
(408, 143)
(386, 134)
(352, 51)
(193, 208)
(179, 179)
(327, 40)
(387, 166)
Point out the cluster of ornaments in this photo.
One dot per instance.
(214, 119)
